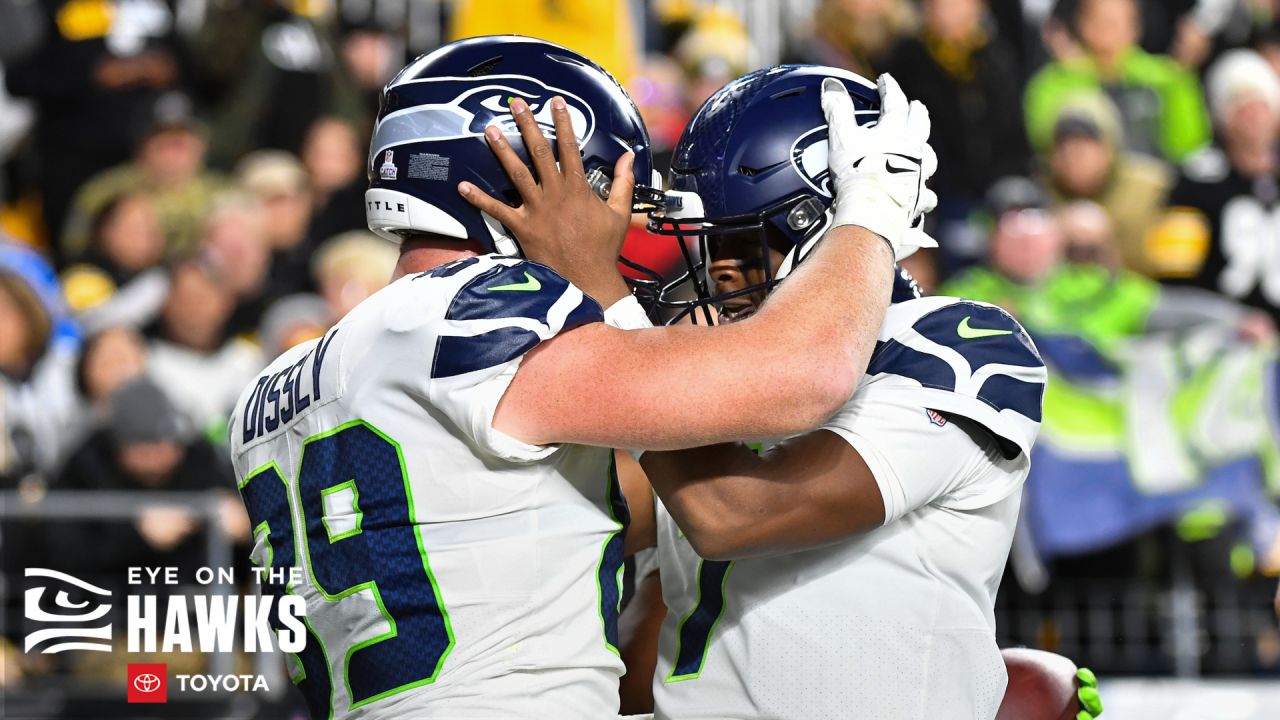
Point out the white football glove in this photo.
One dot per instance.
(879, 171)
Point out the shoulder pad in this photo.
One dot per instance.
(503, 311)
(523, 290)
(959, 351)
(1209, 165)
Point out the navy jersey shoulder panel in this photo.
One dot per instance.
(981, 334)
(895, 358)
(526, 290)
(521, 290)
(1003, 391)
(458, 355)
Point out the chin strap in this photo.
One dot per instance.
(806, 246)
(503, 242)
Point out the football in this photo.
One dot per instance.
(1042, 686)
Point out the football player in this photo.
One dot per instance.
(436, 467)
(850, 571)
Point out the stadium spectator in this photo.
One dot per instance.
(201, 370)
(371, 53)
(1087, 161)
(38, 345)
(1088, 234)
(235, 241)
(351, 267)
(963, 72)
(284, 74)
(168, 166)
(116, 279)
(125, 238)
(95, 73)
(109, 360)
(333, 155)
(1184, 29)
(714, 51)
(1031, 276)
(855, 34)
(279, 182)
(1160, 101)
(1224, 228)
(26, 328)
(293, 320)
(142, 448)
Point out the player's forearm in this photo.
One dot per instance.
(696, 487)
(731, 503)
(827, 315)
(642, 530)
(779, 373)
(802, 494)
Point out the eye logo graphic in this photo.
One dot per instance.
(809, 157)
(809, 154)
(148, 683)
(453, 108)
(76, 630)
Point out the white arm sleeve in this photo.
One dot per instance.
(916, 461)
(627, 314)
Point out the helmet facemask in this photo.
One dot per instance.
(699, 239)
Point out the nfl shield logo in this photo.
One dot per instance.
(936, 417)
(388, 169)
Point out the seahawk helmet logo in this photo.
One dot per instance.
(809, 158)
(453, 108)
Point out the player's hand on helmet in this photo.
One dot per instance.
(562, 222)
(1087, 694)
(879, 171)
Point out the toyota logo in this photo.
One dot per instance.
(146, 683)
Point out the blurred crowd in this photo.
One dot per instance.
(182, 184)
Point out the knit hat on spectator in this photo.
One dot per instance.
(270, 173)
(1089, 114)
(141, 412)
(294, 319)
(1240, 74)
(170, 111)
(1014, 192)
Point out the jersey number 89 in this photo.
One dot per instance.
(362, 545)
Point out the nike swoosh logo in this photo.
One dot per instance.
(530, 284)
(898, 170)
(973, 333)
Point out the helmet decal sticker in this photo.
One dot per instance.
(388, 170)
(809, 158)
(468, 105)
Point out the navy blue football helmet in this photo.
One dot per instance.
(429, 134)
(752, 160)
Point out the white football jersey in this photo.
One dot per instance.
(448, 570)
(897, 623)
